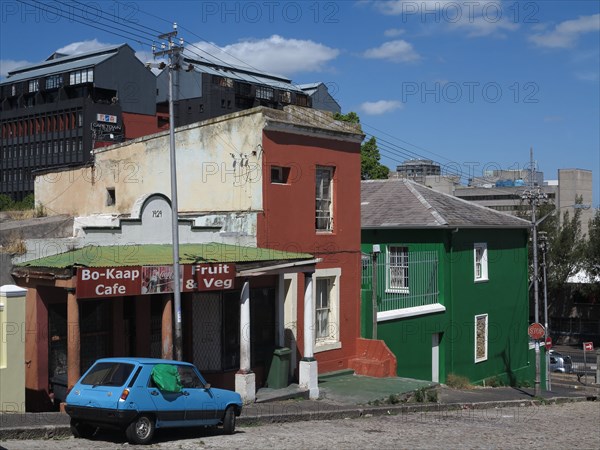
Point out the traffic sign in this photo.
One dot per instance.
(588, 346)
(536, 331)
(548, 343)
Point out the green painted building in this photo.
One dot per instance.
(450, 282)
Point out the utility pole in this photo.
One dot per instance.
(534, 195)
(544, 248)
(173, 52)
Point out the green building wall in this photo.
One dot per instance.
(504, 297)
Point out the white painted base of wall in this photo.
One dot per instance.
(309, 378)
(245, 385)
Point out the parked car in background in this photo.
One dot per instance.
(560, 363)
(140, 395)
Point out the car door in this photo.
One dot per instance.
(201, 405)
(170, 406)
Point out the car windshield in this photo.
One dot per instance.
(108, 374)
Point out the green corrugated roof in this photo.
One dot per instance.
(148, 255)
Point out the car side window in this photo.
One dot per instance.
(189, 378)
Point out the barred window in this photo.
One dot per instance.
(397, 273)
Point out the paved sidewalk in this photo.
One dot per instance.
(347, 396)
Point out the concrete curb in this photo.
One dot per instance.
(296, 413)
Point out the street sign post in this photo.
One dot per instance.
(587, 347)
(536, 331)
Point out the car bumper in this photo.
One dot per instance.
(101, 417)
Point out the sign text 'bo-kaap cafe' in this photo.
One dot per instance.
(140, 280)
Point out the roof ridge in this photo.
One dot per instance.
(471, 203)
(436, 215)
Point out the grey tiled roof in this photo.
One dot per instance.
(405, 204)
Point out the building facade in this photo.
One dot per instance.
(284, 184)
(206, 89)
(450, 281)
(55, 112)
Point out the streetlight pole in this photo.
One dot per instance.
(173, 52)
(544, 248)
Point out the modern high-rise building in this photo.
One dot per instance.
(55, 112)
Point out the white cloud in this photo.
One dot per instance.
(483, 26)
(395, 51)
(76, 48)
(275, 54)
(380, 107)
(8, 65)
(394, 32)
(565, 34)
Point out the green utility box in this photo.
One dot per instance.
(280, 369)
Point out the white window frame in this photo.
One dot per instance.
(485, 356)
(480, 262)
(403, 255)
(332, 340)
(320, 213)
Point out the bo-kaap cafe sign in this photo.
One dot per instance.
(145, 280)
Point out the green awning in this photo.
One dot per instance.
(150, 254)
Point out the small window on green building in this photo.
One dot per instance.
(480, 259)
(481, 337)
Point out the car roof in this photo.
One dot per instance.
(143, 361)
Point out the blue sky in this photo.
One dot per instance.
(470, 84)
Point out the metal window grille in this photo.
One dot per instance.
(419, 274)
(397, 268)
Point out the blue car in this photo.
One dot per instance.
(139, 395)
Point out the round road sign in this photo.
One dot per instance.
(548, 343)
(536, 331)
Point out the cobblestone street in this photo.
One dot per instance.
(570, 425)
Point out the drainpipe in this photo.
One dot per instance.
(374, 273)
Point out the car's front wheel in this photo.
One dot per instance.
(229, 420)
(141, 430)
(81, 430)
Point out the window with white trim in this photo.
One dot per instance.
(481, 337)
(397, 269)
(480, 261)
(324, 199)
(327, 300)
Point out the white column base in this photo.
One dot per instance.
(309, 378)
(245, 385)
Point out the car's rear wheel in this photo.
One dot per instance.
(81, 429)
(229, 420)
(141, 430)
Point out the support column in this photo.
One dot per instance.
(36, 352)
(309, 372)
(245, 380)
(279, 311)
(167, 328)
(73, 339)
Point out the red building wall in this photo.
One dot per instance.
(288, 223)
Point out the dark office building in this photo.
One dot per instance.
(55, 112)
(206, 89)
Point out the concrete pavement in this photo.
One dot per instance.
(342, 396)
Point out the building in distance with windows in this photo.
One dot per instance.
(209, 87)
(55, 112)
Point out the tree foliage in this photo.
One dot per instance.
(370, 167)
(592, 248)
